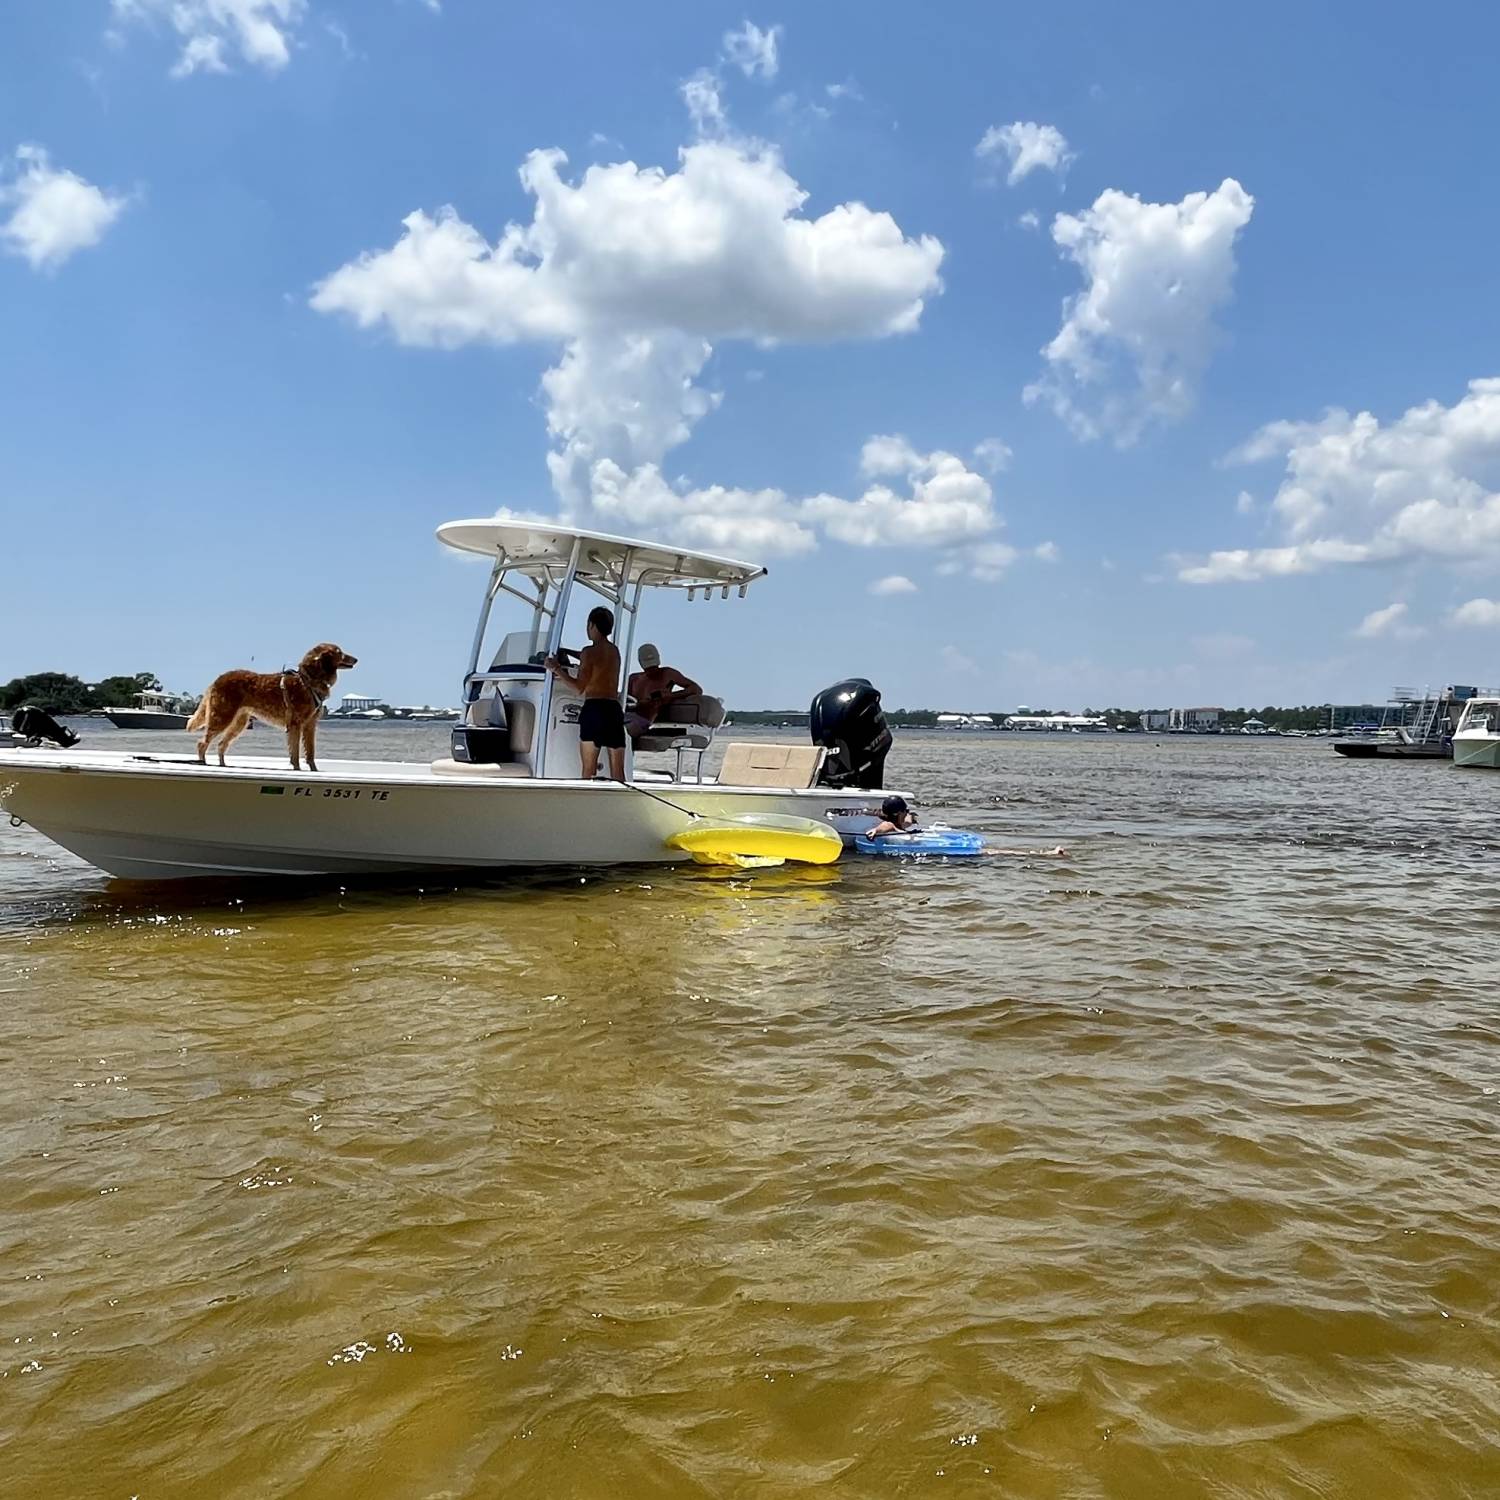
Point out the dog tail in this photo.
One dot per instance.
(200, 714)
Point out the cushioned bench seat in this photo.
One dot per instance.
(463, 768)
(749, 764)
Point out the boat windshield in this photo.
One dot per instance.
(1482, 715)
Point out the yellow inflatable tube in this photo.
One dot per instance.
(758, 838)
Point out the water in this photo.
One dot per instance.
(1165, 1170)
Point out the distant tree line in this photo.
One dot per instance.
(61, 693)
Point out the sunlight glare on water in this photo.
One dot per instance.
(1168, 1169)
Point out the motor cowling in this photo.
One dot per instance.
(847, 721)
(33, 725)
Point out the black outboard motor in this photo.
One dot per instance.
(31, 726)
(848, 723)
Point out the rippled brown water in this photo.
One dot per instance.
(1166, 1170)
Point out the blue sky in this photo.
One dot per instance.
(790, 306)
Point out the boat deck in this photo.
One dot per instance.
(273, 769)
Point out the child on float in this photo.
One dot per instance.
(897, 819)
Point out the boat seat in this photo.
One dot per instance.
(686, 726)
(498, 712)
(791, 766)
(510, 768)
(522, 716)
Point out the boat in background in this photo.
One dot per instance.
(154, 710)
(1414, 726)
(1476, 741)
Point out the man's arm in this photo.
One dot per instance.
(579, 682)
(681, 686)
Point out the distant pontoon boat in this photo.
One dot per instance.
(1414, 726)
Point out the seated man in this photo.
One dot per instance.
(652, 689)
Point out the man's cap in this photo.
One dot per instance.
(648, 656)
(894, 806)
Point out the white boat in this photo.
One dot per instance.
(1476, 741)
(513, 796)
(152, 710)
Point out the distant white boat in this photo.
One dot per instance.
(152, 710)
(1476, 741)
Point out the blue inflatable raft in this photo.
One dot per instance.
(946, 841)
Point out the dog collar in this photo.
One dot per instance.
(312, 687)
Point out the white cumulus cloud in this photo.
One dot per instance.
(1481, 613)
(752, 50)
(1026, 147)
(716, 518)
(993, 454)
(53, 213)
(705, 104)
(944, 501)
(635, 273)
(1137, 338)
(1381, 622)
(896, 583)
(986, 562)
(1425, 486)
(260, 32)
(717, 248)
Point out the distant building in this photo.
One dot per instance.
(1347, 715)
(1064, 723)
(354, 703)
(1194, 720)
(1182, 720)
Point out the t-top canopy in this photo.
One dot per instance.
(541, 550)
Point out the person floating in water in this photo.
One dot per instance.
(895, 817)
(898, 819)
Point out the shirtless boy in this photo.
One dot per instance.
(601, 725)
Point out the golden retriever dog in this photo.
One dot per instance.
(293, 700)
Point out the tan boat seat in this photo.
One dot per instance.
(495, 711)
(792, 766)
(522, 716)
(462, 768)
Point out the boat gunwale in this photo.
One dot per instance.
(404, 774)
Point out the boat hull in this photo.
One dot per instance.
(1477, 751)
(145, 718)
(149, 818)
(1391, 750)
